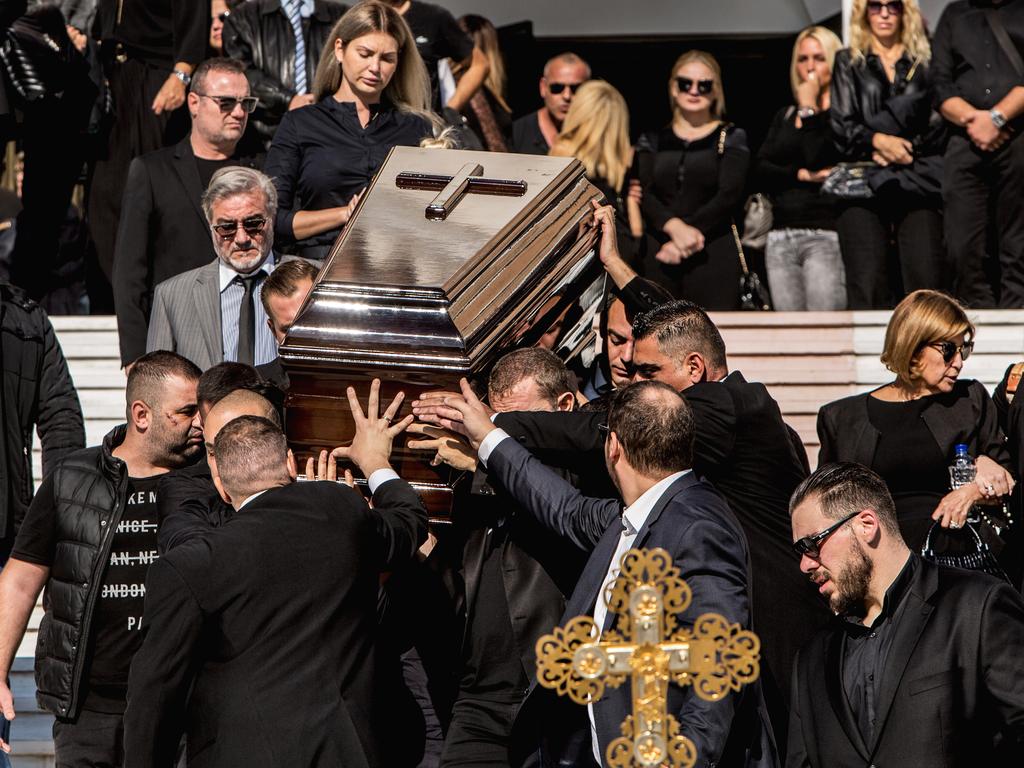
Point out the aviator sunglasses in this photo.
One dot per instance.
(227, 104)
(895, 7)
(948, 350)
(704, 87)
(253, 225)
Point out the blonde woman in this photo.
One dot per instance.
(596, 132)
(907, 430)
(882, 114)
(372, 93)
(805, 268)
(488, 115)
(690, 247)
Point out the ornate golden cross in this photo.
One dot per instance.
(469, 179)
(716, 657)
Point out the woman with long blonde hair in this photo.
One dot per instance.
(883, 120)
(596, 132)
(372, 93)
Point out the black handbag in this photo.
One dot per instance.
(37, 54)
(981, 559)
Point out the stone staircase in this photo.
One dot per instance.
(31, 731)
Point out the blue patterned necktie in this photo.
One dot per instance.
(292, 9)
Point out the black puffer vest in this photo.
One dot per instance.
(89, 490)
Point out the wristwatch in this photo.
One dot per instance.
(185, 77)
(998, 118)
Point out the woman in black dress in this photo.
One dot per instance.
(907, 430)
(694, 173)
(372, 93)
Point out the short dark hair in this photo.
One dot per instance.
(542, 365)
(654, 424)
(221, 380)
(285, 279)
(681, 327)
(844, 488)
(654, 295)
(149, 372)
(251, 455)
(216, 64)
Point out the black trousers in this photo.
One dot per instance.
(710, 278)
(984, 197)
(135, 130)
(867, 229)
(92, 740)
(479, 733)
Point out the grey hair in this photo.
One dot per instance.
(237, 180)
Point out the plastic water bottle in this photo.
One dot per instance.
(963, 469)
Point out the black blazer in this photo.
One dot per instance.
(271, 619)
(162, 233)
(695, 525)
(951, 682)
(188, 506)
(965, 415)
(745, 449)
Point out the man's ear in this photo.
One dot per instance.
(613, 447)
(695, 367)
(141, 415)
(566, 401)
(220, 488)
(293, 467)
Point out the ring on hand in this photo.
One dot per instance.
(954, 524)
(989, 488)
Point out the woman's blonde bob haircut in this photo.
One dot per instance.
(830, 44)
(717, 91)
(912, 33)
(596, 132)
(924, 317)
(409, 88)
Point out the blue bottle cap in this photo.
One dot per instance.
(961, 449)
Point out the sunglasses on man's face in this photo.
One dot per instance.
(253, 226)
(948, 350)
(895, 7)
(227, 104)
(811, 545)
(557, 88)
(222, 17)
(704, 87)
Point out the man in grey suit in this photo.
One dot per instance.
(214, 313)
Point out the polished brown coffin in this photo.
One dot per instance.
(451, 259)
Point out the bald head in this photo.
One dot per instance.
(654, 426)
(241, 402)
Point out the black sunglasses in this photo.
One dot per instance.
(221, 17)
(704, 87)
(227, 104)
(895, 7)
(557, 88)
(811, 545)
(948, 350)
(253, 225)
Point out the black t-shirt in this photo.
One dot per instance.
(438, 36)
(209, 167)
(117, 617)
(527, 138)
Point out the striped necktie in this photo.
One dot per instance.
(292, 7)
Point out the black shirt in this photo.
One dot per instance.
(209, 167)
(321, 156)
(865, 650)
(786, 149)
(438, 36)
(526, 136)
(967, 60)
(160, 32)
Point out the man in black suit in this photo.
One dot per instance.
(283, 295)
(648, 453)
(921, 665)
(162, 230)
(261, 636)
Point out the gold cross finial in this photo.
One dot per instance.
(649, 646)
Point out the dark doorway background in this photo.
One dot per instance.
(755, 71)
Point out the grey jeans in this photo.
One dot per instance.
(805, 270)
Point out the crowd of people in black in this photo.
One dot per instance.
(202, 605)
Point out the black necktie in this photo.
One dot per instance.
(247, 319)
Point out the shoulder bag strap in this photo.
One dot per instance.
(1013, 381)
(732, 222)
(1004, 41)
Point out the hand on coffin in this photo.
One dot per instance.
(448, 447)
(431, 408)
(327, 468)
(608, 250)
(475, 417)
(370, 449)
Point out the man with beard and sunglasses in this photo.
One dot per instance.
(214, 313)
(162, 231)
(89, 538)
(920, 665)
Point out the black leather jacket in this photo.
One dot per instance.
(259, 35)
(864, 103)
